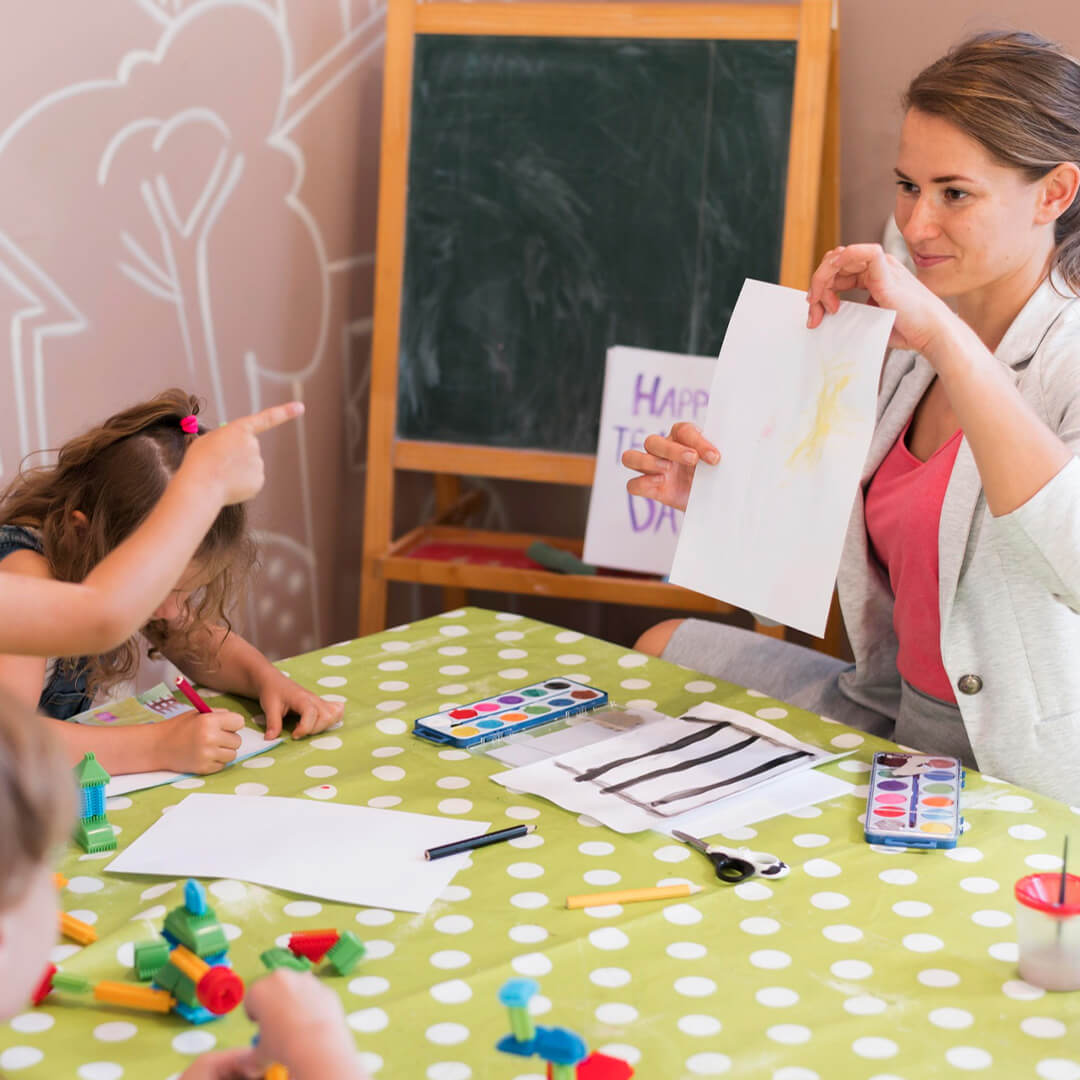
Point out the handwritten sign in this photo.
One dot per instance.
(645, 392)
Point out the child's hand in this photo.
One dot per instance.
(302, 1026)
(237, 1064)
(200, 742)
(280, 695)
(230, 457)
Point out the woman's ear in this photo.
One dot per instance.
(1059, 189)
(80, 519)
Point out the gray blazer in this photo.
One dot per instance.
(1009, 586)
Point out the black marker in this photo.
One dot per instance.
(459, 846)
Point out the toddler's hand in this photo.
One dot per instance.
(237, 1064)
(229, 456)
(280, 695)
(302, 1026)
(200, 742)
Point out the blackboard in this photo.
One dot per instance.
(568, 194)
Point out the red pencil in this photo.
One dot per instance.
(188, 691)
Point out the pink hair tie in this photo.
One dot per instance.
(190, 424)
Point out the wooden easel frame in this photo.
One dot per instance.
(810, 227)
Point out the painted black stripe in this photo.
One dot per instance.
(678, 744)
(681, 767)
(766, 767)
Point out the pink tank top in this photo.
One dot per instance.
(903, 514)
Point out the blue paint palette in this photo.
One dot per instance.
(914, 800)
(505, 714)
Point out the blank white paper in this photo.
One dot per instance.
(791, 411)
(351, 854)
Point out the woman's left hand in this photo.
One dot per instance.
(920, 315)
(280, 695)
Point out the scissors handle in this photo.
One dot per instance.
(732, 869)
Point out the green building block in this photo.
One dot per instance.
(95, 834)
(284, 958)
(150, 957)
(345, 955)
(178, 984)
(88, 772)
(202, 934)
(72, 984)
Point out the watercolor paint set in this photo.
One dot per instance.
(505, 714)
(914, 800)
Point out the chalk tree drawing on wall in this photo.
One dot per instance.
(191, 218)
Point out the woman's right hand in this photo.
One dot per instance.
(199, 742)
(668, 463)
(229, 456)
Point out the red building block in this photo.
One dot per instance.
(313, 944)
(45, 986)
(220, 990)
(601, 1067)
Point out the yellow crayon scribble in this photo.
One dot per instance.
(829, 413)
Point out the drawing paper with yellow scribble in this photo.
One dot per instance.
(791, 411)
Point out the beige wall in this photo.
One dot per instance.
(187, 197)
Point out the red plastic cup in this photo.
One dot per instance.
(1048, 932)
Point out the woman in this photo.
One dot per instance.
(960, 576)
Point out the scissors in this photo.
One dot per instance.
(735, 865)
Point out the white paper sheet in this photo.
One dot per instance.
(626, 811)
(252, 742)
(791, 411)
(351, 854)
(645, 392)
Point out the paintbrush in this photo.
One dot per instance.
(1061, 888)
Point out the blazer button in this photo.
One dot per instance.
(969, 684)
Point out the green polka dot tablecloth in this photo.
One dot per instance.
(862, 963)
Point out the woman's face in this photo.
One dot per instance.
(968, 221)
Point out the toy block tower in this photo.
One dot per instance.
(93, 833)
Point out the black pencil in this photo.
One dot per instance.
(459, 846)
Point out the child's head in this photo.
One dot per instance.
(37, 810)
(103, 485)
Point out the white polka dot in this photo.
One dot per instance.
(810, 840)
(1044, 862)
(1057, 1069)
(829, 901)
(616, 1013)
(699, 1025)
(759, 925)
(1026, 832)
(805, 812)
(452, 992)
(391, 725)
(963, 854)
(452, 783)
(602, 877)
(604, 911)
(588, 822)
(302, 909)
(847, 740)
(1019, 990)
(608, 938)
(938, 977)
(641, 703)
(369, 985)
(770, 959)
(453, 690)
(821, 868)
(1042, 1027)
(455, 806)
(1006, 951)
(570, 659)
(789, 1034)
(979, 885)
(447, 1034)
(389, 773)
(509, 635)
(532, 964)
(446, 1070)
(864, 1005)
(261, 761)
(100, 1070)
(632, 660)
(394, 665)
(842, 933)
(529, 900)
(707, 1064)
(387, 751)
(332, 681)
(91, 917)
(797, 1072)
(525, 870)
(155, 912)
(522, 813)
(898, 876)
(32, 1022)
(454, 924)
(922, 943)
(991, 918)
(853, 765)
(953, 1019)
(85, 885)
(448, 958)
(20, 1057)
(700, 686)
(776, 997)
(752, 890)
(453, 650)
(771, 713)
(368, 1021)
(374, 917)
(635, 684)
(323, 791)
(341, 661)
(384, 802)
(527, 934)
(912, 909)
(194, 1042)
(851, 969)
(512, 654)
(513, 673)
(682, 914)
(694, 986)
(672, 853)
(968, 1057)
(596, 847)
(875, 1047)
(1015, 803)
(157, 890)
(253, 789)
(686, 950)
(609, 977)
